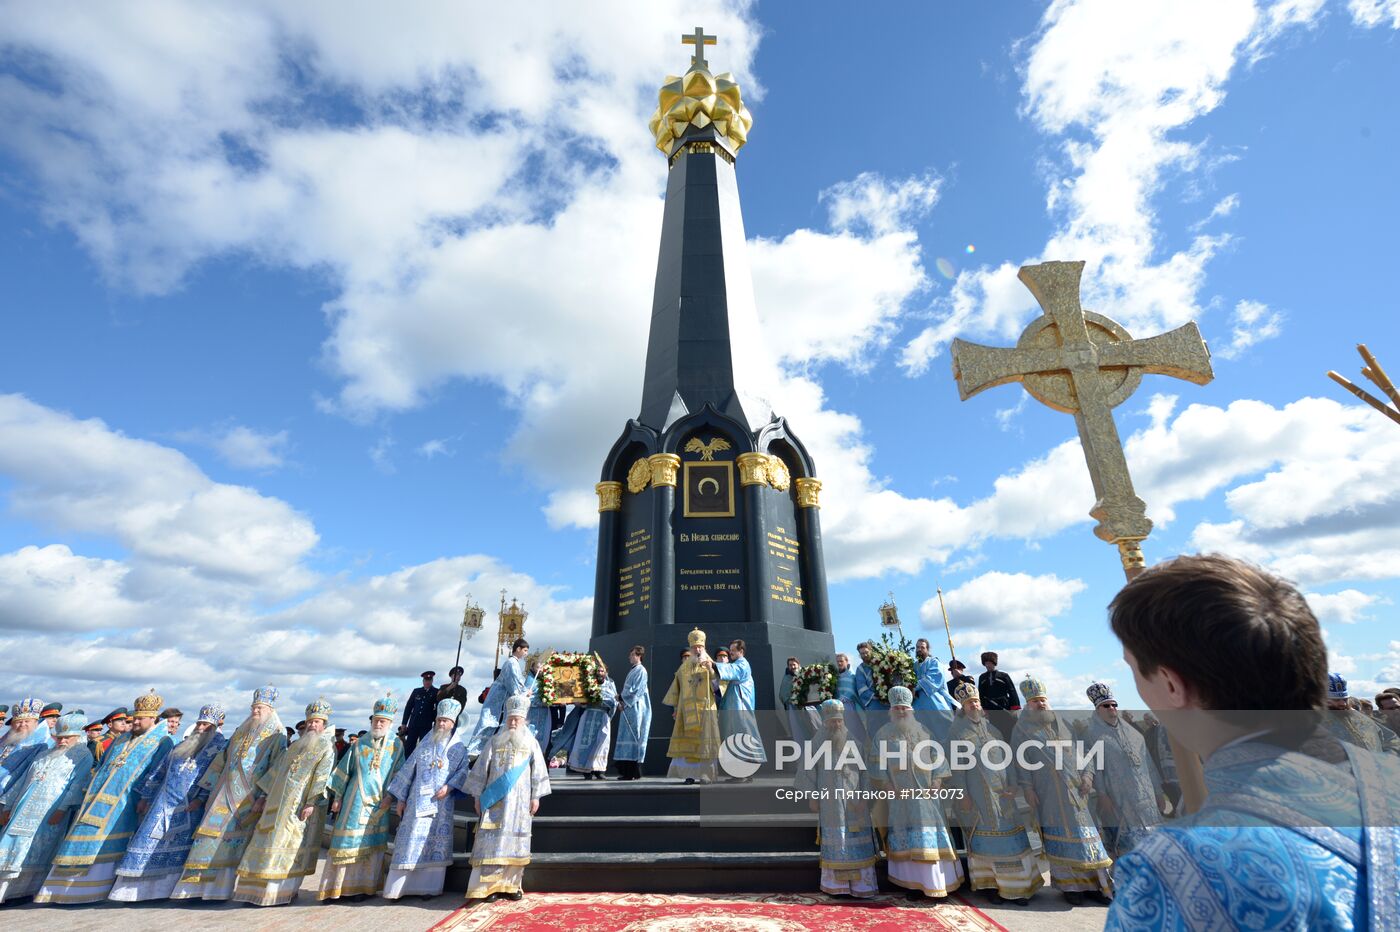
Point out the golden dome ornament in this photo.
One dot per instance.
(700, 99)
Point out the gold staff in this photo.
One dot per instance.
(952, 654)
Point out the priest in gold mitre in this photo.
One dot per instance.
(291, 816)
(85, 866)
(694, 747)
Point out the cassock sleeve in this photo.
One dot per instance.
(149, 786)
(539, 773)
(216, 768)
(344, 770)
(77, 784)
(402, 783)
(475, 778)
(316, 786)
(673, 694)
(1140, 900)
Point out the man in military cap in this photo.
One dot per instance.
(118, 722)
(418, 713)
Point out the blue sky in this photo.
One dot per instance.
(315, 321)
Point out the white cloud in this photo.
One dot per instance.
(1251, 323)
(434, 447)
(1328, 511)
(82, 475)
(212, 596)
(380, 454)
(1373, 13)
(1116, 85)
(1003, 608)
(870, 202)
(1346, 607)
(243, 447)
(52, 589)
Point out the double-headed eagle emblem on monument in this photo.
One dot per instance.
(707, 449)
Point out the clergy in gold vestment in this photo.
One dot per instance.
(292, 816)
(694, 744)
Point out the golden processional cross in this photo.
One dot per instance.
(1085, 364)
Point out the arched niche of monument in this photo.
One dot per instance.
(628, 536)
(710, 519)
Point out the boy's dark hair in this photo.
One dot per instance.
(640, 651)
(989, 656)
(1243, 638)
(738, 644)
(519, 643)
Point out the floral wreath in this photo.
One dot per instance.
(821, 675)
(891, 664)
(588, 664)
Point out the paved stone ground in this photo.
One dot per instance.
(1047, 912)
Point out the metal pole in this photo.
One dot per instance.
(952, 654)
(461, 630)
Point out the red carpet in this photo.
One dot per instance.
(758, 912)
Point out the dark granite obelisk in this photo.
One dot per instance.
(704, 520)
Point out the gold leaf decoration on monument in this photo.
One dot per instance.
(639, 476)
(708, 448)
(699, 98)
(778, 475)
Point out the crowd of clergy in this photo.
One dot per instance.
(133, 810)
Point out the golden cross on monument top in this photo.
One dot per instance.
(1085, 364)
(699, 40)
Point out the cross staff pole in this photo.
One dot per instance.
(1085, 364)
(952, 654)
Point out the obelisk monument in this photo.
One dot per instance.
(706, 519)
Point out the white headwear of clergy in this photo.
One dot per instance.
(449, 708)
(519, 704)
(901, 698)
(832, 708)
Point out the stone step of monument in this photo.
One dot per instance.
(572, 795)
(662, 834)
(632, 872)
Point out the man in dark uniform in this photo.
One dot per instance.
(419, 713)
(998, 694)
(956, 675)
(454, 690)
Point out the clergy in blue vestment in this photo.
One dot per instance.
(1057, 791)
(172, 800)
(846, 691)
(35, 811)
(1298, 830)
(22, 743)
(423, 844)
(1127, 782)
(588, 754)
(85, 865)
(918, 845)
(845, 832)
(634, 725)
(509, 681)
(357, 859)
(1347, 724)
(736, 710)
(931, 699)
(506, 784)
